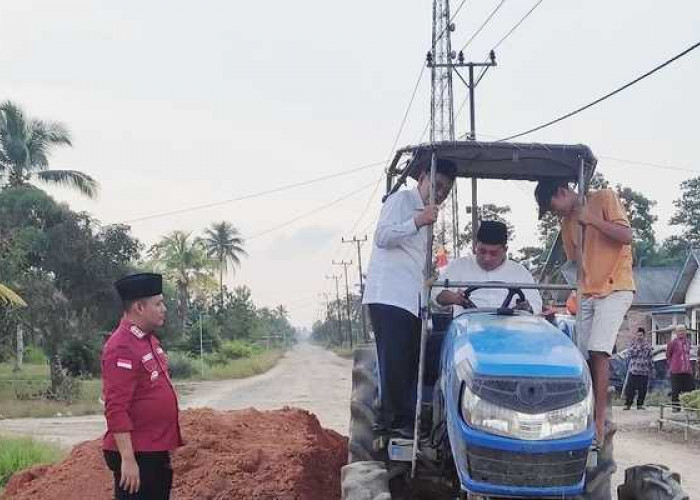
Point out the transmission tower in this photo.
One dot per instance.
(442, 126)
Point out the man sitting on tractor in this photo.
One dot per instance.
(489, 263)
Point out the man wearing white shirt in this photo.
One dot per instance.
(393, 289)
(489, 264)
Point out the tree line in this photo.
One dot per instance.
(58, 266)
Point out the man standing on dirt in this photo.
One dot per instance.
(489, 263)
(393, 289)
(140, 401)
(607, 283)
(639, 368)
(679, 365)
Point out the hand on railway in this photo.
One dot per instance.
(427, 216)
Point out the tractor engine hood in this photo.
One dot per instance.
(519, 362)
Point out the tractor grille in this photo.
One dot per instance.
(530, 395)
(507, 468)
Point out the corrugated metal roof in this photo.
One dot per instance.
(654, 284)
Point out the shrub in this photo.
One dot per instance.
(181, 365)
(34, 355)
(235, 349)
(81, 358)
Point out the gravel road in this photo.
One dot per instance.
(317, 380)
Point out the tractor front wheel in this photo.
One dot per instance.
(651, 482)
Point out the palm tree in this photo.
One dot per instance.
(8, 297)
(184, 261)
(25, 146)
(223, 242)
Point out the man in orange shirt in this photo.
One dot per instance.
(607, 282)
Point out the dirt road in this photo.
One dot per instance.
(314, 379)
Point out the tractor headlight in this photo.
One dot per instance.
(569, 421)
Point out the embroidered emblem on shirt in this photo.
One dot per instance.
(159, 350)
(147, 357)
(138, 333)
(124, 363)
(154, 375)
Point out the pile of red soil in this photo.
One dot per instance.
(247, 454)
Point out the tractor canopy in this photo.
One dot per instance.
(498, 160)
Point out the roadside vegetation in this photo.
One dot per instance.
(21, 453)
(57, 269)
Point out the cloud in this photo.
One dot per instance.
(306, 241)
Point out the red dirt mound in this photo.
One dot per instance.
(247, 454)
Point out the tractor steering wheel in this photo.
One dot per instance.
(505, 307)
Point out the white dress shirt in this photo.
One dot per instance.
(395, 272)
(468, 269)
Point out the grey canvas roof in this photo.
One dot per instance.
(654, 284)
(499, 160)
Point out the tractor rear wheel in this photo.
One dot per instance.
(365, 481)
(651, 482)
(362, 405)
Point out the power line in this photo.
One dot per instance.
(606, 96)
(483, 25)
(508, 34)
(309, 213)
(498, 44)
(452, 18)
(649, 164)
(254, 195)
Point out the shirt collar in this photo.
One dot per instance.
(133, 329)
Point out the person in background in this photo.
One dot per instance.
(639, 369)
(393, 293)
(679, 365)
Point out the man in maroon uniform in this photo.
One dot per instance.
(140, 401)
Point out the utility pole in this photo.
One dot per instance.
(358, 243)
(337, 305)
(447, 64)
(201, 344)
(345, 265)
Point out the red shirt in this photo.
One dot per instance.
(678, 356)
(138, 393)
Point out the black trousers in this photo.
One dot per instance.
(155, 473)
(397, 333)
(680, 383)
(636, 384)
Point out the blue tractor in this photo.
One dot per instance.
(505, 404)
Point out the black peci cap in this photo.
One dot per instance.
(139, 286)
(492, 232)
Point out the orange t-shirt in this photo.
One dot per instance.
(607, 264)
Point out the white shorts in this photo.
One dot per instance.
(601, 319)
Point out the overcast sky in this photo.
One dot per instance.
(174, 104)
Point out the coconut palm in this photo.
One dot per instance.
(184, 261)
(8, 297)
(25, 146)
(223, 242)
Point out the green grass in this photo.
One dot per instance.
(242, 368)
(20, 453)
(34, 378)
